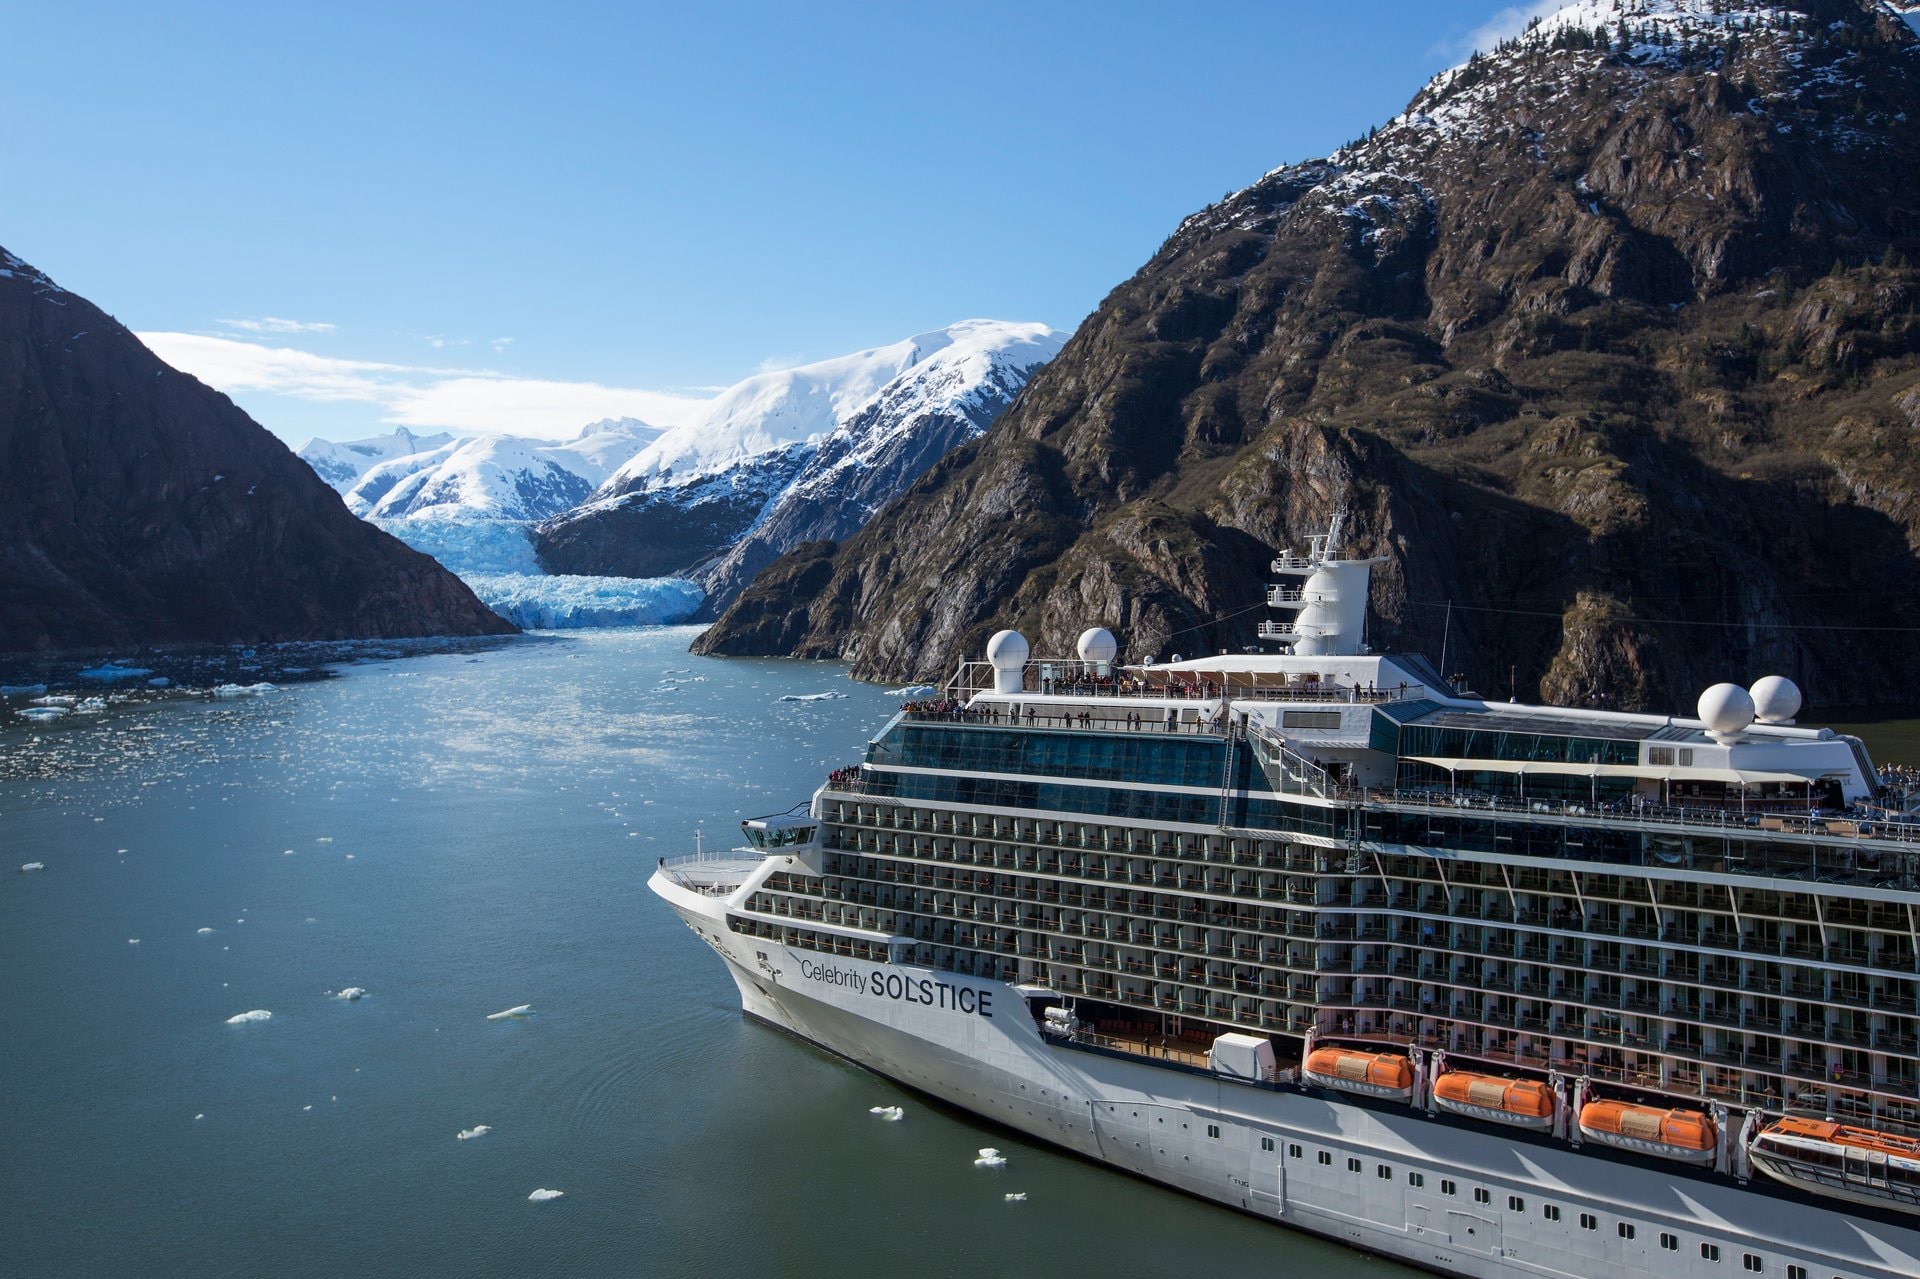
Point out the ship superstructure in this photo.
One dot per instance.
(1271, 892)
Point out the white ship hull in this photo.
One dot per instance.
(1310, 1161)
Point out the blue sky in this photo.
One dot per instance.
(520, 216)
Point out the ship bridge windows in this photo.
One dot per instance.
(1511, 744)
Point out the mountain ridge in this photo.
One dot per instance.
(142, 507)
(1613, 323)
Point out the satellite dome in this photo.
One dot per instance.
(1007, 650)
(1098, 645)
(1725, 709)
(1776, 699)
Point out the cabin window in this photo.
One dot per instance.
(1326, 1157)
(1751, 1261)
(1710, 1251)
(1516, 1204)
(1353, 1165)
(1626, 1230)
(1213, 1130)
(1589, 1222)
(1670, 1242)
(1293, 1152)
(1384, 1173)
(1416, 1180)
(1551, 1212)
(1481, 1195)
(1448, 1188)
(1796, 1272)
(1266, 1143)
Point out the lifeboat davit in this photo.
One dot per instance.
(1856, 1164)
(1373, 1074)
(1527, 1103)
(1686, 1135)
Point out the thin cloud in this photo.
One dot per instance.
(472, 401)
(780, 363)
(1504, 25)
(276, 324)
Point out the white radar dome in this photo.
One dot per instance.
(1098, 645)
(1725, 709)
(1776, 699)
(1007, 650)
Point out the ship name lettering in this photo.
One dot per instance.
(936, 994)
(833, 975)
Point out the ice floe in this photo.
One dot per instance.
(518, 1010)
(1017, 1197)
(133, 941)
(203, 931)
(34, 866)
(352, 993)
(543, 1194)
(227, 692)
(892, 1114)
(258, 1014)
(107, 672)
(478, 1130)
(43, 712)
(990, 1158)
(913, 690)
(812, 697)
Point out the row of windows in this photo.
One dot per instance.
(1749, 1261)
(1171, 760)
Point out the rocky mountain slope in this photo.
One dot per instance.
(138, 506)
(1611, 340)
(795, 455)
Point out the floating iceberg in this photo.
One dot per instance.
(258, 1014)
(892, 1114)
(34, 866)
(913, 690)
(1017, 1197)
(228, 691)
(351, 993)
(107, 672)
(990, 1158)
(203, 931)
(540, 603)
(43, 712)
(478, 1130)
(812, 697)
(542, 1195)
(518, 1010)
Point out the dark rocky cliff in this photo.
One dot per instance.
(1612, 340)
(137, 506)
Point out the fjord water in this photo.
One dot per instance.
(457, 835)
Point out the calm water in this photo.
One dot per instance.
(457, 835)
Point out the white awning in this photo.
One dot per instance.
(1653, 772)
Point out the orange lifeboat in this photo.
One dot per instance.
(1374, 1074)
(1686, 1135)
(1856, 1164)
(1527, 1103)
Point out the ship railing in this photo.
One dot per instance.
(1286, 771)
(1074, 678)
(1755, 822)
(713, 872)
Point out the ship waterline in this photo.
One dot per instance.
(1491, 989)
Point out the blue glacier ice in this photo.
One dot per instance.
(539, 603)
(468, 545)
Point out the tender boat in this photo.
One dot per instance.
(1856, 1164)
(1371, 1074)
(1686, 1135)
(1525, 1103)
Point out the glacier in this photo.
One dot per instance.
(537, 602)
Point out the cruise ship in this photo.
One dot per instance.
(1491, 989)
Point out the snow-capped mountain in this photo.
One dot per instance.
(342, 464)
(796, 455)
(499, 477)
